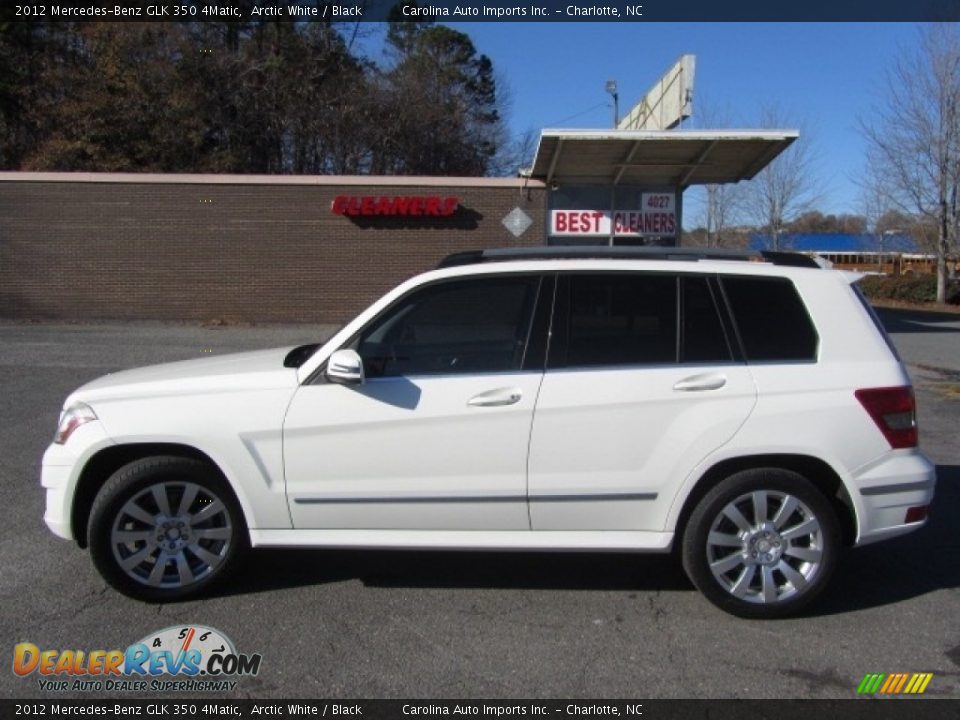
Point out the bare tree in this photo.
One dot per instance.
(878, 211)
(721, 203)
(787, 186)
(720, 206)
(874, 200)
(514, 153)
(914, 137)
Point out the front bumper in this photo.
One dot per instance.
(55, 479)
(60, 472)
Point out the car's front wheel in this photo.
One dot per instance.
(165, 528)
(762, 544)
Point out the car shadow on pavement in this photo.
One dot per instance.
(897, 320)
(268, 570)
(877, 575)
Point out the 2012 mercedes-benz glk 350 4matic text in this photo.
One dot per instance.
(752, 415)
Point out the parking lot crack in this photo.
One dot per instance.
(656, 608)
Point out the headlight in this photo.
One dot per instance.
(72, 418)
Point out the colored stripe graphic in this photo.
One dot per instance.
(890, 682)
(894, 683)
(867, 684)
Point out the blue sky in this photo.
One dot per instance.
(823, 75)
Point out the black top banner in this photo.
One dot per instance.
(337, 11)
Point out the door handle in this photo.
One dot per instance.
(699, 383)
(496, 398)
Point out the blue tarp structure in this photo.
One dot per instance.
(836, 242)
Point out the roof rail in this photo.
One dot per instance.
(606, 252)
(792, 259)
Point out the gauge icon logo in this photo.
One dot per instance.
(189, 650)
(178, 638)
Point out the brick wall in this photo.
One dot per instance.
(264, 252)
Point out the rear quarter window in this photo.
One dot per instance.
(771, 319)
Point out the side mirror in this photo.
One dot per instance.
(345, 367)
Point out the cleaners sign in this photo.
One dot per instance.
(412, 206)
(657, 216)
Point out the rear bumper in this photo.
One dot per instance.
(887, 489)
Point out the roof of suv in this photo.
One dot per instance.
(593, 252)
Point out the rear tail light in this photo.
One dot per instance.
(893, 409)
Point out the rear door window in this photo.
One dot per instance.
(637, 319)
(703, 340)
(621, 319)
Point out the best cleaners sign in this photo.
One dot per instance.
(656, 216)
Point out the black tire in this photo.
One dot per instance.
(173, 552)
(781, 582)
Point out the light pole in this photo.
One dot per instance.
(612, 89)
(883, 234)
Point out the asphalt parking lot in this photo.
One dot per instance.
(422, 625)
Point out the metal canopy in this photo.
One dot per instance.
(676, 158)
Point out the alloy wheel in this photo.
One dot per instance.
(765, 546)
(171, 534)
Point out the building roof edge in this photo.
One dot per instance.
(318, 180)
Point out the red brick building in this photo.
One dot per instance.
(79, 246)
(185, 247)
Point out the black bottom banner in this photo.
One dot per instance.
(861, 709)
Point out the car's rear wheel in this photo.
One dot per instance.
(762, 544)
(165, 528)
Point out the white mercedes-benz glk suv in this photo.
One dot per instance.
(751, 414)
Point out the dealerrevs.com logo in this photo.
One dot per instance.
(201, 658)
